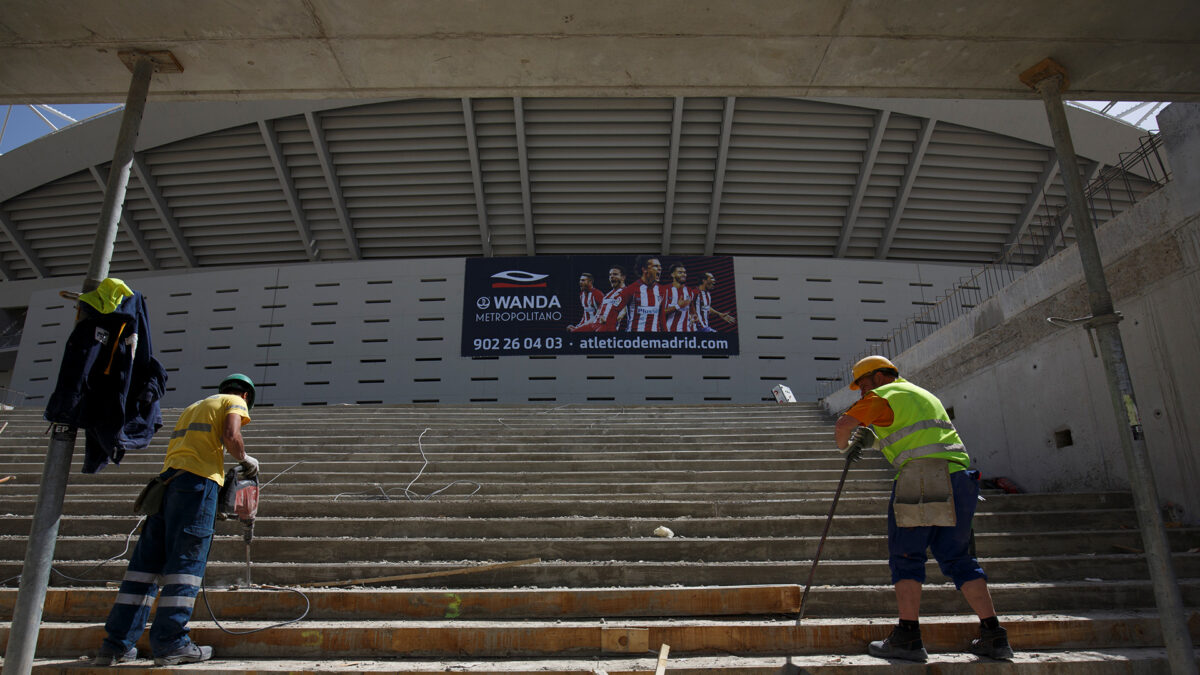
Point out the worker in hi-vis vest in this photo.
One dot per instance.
(932, 504)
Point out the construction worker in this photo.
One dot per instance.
(933, 502)
(173, 546)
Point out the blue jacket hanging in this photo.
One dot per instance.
(109, 383)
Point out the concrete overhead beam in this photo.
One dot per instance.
(67, 51)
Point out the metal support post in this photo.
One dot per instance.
(1049, 79)
(39, 553)
(118, 174)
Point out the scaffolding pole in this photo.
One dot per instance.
(1050, 79)
(39, 553)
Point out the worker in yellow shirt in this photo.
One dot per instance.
(173, 547)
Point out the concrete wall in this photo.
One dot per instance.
(1018, 384)
(389, 331)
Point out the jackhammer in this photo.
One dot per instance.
(238, 499)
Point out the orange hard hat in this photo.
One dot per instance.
(869, 365)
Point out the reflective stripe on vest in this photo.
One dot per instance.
(194, 426)
(920, 427)
(926, 450)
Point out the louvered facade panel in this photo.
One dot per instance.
(699, 139)
(65, 193)
(218, 229)
(598, 166)
(58, 223)
(140, 211)
(882, 187)
(796, 144)
(405, 166)
(496, 137)
(313, 191)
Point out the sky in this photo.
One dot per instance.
(24, 125)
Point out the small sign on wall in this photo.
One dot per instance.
(616, 304)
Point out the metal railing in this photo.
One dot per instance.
(10, 336)
(10, 398)
(1139, 173)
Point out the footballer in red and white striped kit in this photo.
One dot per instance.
(642, 300)
(704, 306)
(677, 300)
(609, 313)
(590, 298)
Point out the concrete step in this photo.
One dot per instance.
(552, 441)
(330, 549)
(517, 485)
(745, 488)
(383, 602)
(810, 504)
(486, 474)
(1143, 661)
(1078, 568)
(357, 462)
(272, 524)
(459, 639)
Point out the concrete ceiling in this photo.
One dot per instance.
(66, 50)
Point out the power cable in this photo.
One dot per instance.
(407, 490)
(213, 616)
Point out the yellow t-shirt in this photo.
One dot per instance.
(197, 443)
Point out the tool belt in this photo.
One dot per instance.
(149, 500)
(924, 495)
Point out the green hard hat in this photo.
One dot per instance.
(241, 382)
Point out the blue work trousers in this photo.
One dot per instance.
(951, 546)
(172, 551)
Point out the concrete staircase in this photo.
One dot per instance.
(459, 500)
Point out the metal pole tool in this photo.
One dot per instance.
(865, 438)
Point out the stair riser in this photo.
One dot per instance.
(326, 550)
(811, 504)
(846, 525)
(450, 641)
(89, 605)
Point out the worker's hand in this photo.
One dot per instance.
(249, 467)
(862, 437)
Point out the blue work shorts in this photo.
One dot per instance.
(951, 546)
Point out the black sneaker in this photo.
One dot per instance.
(901, 644)
(190, 653)
(992, 643)
(107, 657)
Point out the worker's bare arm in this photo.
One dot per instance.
(232, 436)
(842, 430)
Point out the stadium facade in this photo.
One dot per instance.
(320, 246)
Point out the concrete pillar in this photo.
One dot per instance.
(1179, 124)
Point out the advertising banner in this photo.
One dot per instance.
(599, 304)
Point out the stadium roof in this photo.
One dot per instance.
(287, 182)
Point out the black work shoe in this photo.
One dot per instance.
(992, 643)
(901, 644)
(107, 657)
(190, 653)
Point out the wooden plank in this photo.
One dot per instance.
(440, 639)
(424, 575)
(462, 604)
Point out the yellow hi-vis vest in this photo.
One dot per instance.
(920, 427)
